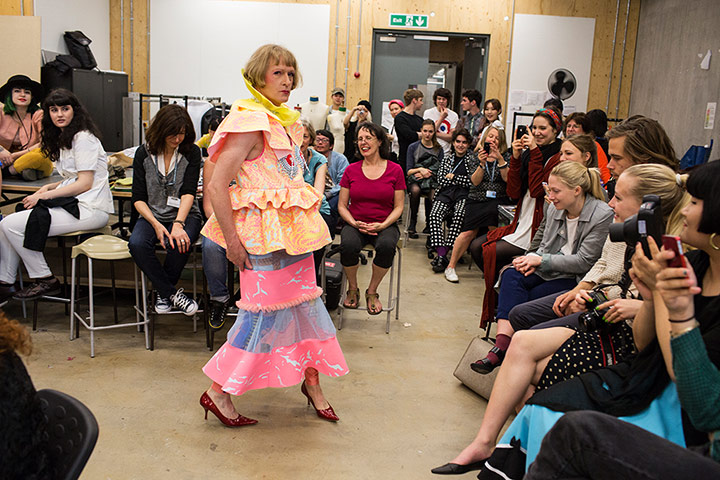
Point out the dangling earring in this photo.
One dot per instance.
(712, 244)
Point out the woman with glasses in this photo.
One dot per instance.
(165, 179)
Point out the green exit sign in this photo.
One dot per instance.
(407, 20)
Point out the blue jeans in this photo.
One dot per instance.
(142, 243)
(516, 288)
(214, 260)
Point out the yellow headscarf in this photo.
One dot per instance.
(283, 114)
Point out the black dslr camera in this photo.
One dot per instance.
(593, 318)
(648, 222)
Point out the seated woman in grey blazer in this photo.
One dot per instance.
(576, 226)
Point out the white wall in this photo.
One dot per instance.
(542, 44)
(92, 17)
(198, 47)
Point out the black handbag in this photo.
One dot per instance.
(78, 45)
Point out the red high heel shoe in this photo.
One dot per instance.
(207, 403)
(326, 414)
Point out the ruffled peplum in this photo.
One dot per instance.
(268, 220)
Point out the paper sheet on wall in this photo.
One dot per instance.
(536, 97)
(710, 115)
(517, 97)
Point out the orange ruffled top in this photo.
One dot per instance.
(272, 211)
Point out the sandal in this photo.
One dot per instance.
(352, 298)
(372, 300)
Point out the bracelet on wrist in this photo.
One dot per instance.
(681, 321)
(180, 222)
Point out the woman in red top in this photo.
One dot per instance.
(533, 158)
(372, 195)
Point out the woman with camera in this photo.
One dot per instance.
(534, 155)
(532, 353)
(489, 181)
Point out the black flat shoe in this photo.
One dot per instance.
(457, 469)
(485, 366)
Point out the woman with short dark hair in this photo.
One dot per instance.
(166, 170)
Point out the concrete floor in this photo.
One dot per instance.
(401, 410)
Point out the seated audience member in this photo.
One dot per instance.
(423, 161)
(491, 116)
(584, 444)
(214, 261)
(577, 123)
(315, 174)
(598, 125)
(20, 129)
(408, 124)
(636, 141)
(453, 188)
(81, 201)
(579, 148)
(337, 163)
(205, 140)
(359, 114)
(24, 453)
(534, 155)
(472, 117)
(445, 119)
(547, 358)
(372, 197)
(555, 103)
(166, 170)
(486, 193)
(395, 106)
(576, 227)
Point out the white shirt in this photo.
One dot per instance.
(522, 235)
(446, 126)
(572, 224)
(86, 154)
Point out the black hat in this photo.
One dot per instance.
(23, 81)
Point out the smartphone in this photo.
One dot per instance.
(673, 243)
(521, 130)
(486, 147)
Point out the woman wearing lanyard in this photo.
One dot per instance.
(488, 190)
(453, 186)
(165, 178)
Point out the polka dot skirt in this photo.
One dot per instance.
(584, 352)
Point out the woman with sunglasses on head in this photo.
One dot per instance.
(20, 129)
(81, 201)
(534, 155)
(166, 170)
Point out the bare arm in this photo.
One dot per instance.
(207, 196)
(237, 148)
(81, 185)
(320, 178)
(343, 200)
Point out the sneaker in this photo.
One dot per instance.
(43, 287)
(186, 305)
(218, 310)
(162, 305)
(440, 264)
(451, 276)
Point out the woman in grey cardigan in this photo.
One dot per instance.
(576, 226)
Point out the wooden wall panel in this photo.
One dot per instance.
(16, 7)
(455, 16)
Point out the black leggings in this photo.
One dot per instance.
(385, 243)
(504, 253)
(415, 192)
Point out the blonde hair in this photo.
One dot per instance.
(265, 57)
(573, 175)
(502, 140)
(660, 180)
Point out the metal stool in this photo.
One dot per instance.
(393, 302)
(101, 247)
